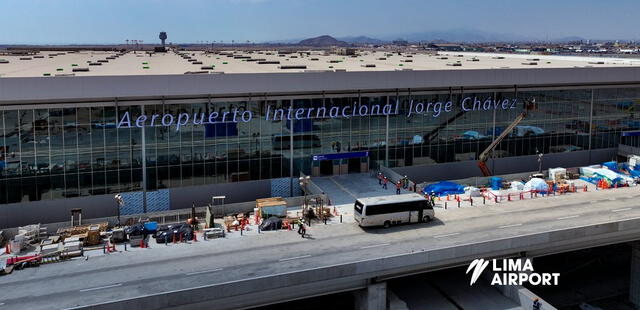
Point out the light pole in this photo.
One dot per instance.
(304, 181)
(539, 161)
(119, 203)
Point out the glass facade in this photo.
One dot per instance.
(78, 149)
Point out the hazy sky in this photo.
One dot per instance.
(114, 21)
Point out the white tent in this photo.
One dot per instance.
(536, 184)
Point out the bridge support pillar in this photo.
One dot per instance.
(634, 285)
(374, 297)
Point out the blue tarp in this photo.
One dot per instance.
(633, 172)
(495, 183)
(611, 165)
(444, 188)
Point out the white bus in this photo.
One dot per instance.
(393, 209)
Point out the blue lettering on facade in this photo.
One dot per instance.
(273, 113)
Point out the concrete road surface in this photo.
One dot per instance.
(161, 269)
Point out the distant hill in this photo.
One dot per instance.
(459, 35)
(325, 40)
(361, 40)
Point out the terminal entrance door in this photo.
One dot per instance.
(326, 167)
(340, 163)
(354, 165)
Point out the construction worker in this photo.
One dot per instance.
(405, 182)
(536, 304)
(398, 186)
(384, 182)
(379, 178)
(433, 198)
(301, 229)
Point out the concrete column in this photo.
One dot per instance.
(634, 285)
(374, 297)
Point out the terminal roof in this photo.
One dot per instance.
(100, 63)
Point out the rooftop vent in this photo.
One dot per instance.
(197, 62)
(369, 65)
(103, 61)
(533, 59)
(497, 57)
(293, 67)
(25, 58)
(406, 60)
(206, 68)
(473, 59)
(454, 64)
(95, 64)
(269, 62)
(531, 63)
(79, 69)
(382, 58)
(443, 57)
(334, 61)
(596, 62)
(38, 56)
(314, 59)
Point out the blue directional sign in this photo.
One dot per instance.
(334, 156)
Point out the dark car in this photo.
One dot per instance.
(169, 233)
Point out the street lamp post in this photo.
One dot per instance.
(119, 203)
(304, 181)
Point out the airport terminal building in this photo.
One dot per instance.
(171, 129)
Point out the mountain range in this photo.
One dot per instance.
(453, 35)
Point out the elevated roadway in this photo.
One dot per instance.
(278, 266)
